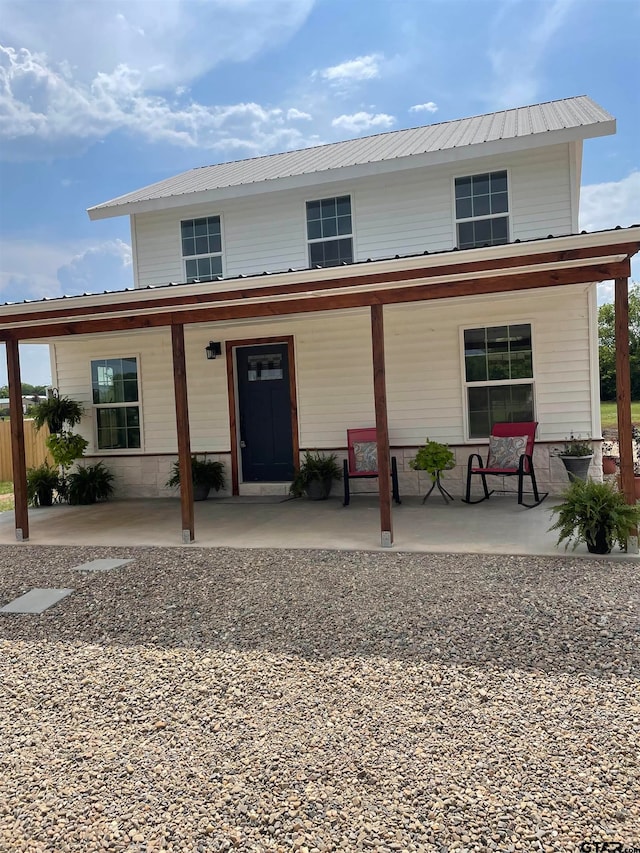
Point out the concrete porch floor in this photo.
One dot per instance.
(497, 526)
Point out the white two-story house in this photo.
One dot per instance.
(449, 254)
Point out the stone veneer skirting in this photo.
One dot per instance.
(145, 476)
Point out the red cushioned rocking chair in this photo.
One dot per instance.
(510, 455)
(362, 461)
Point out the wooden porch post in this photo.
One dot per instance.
(182, 424)
(17, 440)
(382, 426)
(623, 393)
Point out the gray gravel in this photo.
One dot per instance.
(204, 700)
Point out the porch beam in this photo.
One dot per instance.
(243, 309)
(18, 460)
(382, 425)
(623, 391)
(466, 268)
(182, 425)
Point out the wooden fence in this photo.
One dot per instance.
(34, 447)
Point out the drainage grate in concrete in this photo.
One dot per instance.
(102, 565)
(35, 601)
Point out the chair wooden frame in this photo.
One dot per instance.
(349, 471)
(475, 466)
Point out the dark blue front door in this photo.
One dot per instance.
(264, 404)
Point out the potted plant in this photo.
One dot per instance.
(576, 455)
(609, 458)
(315, 475)
(42, 482)
(206, 474)
(434, 458)
(89, 484)
(55, 411)
(597, 514)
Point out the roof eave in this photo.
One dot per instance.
(347, 173)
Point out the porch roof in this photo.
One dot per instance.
(553, 261)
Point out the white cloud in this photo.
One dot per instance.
(44, 112)
(162, 40)
(35, 270)
(293, 114)
(359, 122)
(515, 62)
(607, 205)
(429, 107)
(354, 70)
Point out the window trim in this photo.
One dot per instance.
(220, 254)
(486, 383)
(116, 451)
(307, 241)
(510, 236)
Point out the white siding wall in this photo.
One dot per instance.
(334, 374)
(403, 213)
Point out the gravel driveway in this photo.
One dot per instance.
(202, 700)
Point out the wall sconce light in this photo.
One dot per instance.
(214, 349)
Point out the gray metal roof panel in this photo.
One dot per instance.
(505, 124)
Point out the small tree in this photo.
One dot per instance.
(607, 346)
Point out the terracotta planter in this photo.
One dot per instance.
(609, 465)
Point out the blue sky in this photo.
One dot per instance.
(101, 97)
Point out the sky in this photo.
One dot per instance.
(102, 97)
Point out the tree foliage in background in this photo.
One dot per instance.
(27, 390)
(607, 343)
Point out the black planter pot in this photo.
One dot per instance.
(201, 491)
(45, 497)
(577, 466)
(318, 490)
(599, 544)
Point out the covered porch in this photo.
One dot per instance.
(371, 285)
(498, 526)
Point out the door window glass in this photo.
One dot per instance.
(264, 367)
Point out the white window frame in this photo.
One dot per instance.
(494, 382)
(350, 236)
(196, 257)
(118, 451)
(506, 215)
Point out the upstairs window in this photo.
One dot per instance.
(202, 248)
(329, 232)
(116, 401)
(498, 367)
(482, 210)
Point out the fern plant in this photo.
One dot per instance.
(89, 484)
(597, 514)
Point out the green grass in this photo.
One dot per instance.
(609, 413)
(6, 496)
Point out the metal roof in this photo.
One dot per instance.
(622, 233)
(566, 114)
